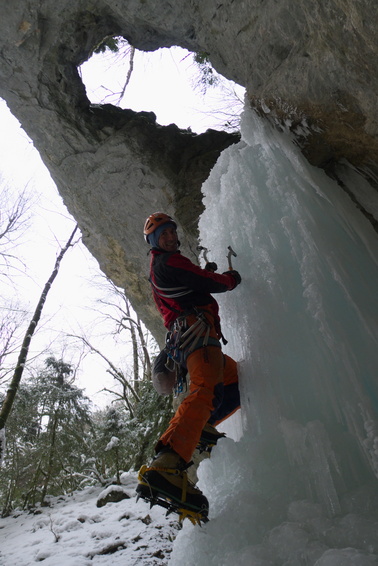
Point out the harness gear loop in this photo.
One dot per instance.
(182, 340)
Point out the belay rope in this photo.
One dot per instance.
(182, 340)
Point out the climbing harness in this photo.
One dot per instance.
(184, 339)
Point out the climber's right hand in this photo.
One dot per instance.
(235, 274)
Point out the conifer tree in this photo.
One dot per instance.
(50, 438)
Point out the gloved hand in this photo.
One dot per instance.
(211, 266)
(235, 274)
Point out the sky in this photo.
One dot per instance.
(168, 82)
(164, 82)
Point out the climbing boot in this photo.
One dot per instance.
(165, 482)
(209, 438)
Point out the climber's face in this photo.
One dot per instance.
(168, 240)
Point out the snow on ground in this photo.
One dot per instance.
(73, 531)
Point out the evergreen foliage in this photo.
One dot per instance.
(46, 437)
(123, 443)
(151, 418)
(55, 445)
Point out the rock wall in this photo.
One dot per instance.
(306, 62)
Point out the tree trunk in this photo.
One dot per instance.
(50, 462)
(134, 342)
(12, 390)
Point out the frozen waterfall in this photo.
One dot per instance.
(295, 483)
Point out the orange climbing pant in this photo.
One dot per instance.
(212, 374)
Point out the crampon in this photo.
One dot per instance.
(157, 496)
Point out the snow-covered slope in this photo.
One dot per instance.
(73, 531)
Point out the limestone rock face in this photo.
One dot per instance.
(304, 61)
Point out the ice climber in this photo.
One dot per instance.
(182, 293)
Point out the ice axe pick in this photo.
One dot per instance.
(230, 253)
(210, 265)
(204, 250)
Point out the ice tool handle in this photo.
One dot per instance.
(229, 255)
(210, 265)
(205, 251)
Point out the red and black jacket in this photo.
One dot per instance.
(178, 285)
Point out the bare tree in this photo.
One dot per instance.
(14, 221)
(117, 308)
(12, 317)
(119, 376)
(120, 321)
(121, 54)
(14, 218)
(22, 358)
(128, 75)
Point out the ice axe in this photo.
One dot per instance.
(230, 253)
(210, 265)
(204, 250)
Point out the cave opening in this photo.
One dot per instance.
(179, 86)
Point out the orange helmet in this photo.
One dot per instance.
(154, 221)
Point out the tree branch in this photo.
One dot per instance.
(17, 375)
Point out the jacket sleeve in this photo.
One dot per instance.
(188, 274)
